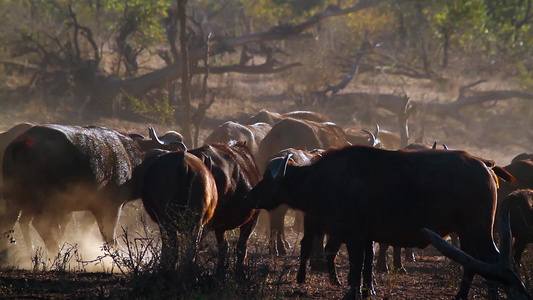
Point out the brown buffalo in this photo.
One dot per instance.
(180, 194)
(364, 194)
(265, 116)
(520, 205)
(235, 174)
(230, 131)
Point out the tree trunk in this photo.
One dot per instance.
(185, 74)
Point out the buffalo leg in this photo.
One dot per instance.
(107, 221)
(409, 255)
(24, 223)
(356, 255)
(244, 234)
(368, 288)
(397, 260)
(7, 222)
(169, 246)
(44, 226)
(381, 265)
(332, 247)
(480, 247)
(277, 230)
(310, 228)
(518, 248)
(318, 257)
(223, 248)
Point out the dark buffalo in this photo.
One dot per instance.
(230, 131)
(180, 194)
(381, 265)
(364, 194)
(299, 134)
(235, 174)
(313, 234)
(53, 170)
(520, 205)
(522, 156)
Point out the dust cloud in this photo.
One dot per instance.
(82, 248)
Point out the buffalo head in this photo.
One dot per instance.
(269, 192)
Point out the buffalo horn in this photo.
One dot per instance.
(500, 272)
(136, 136)
(434, 145)
(208, 162)
(445, 147)
(153, 135)
(372, 139)
(377, 131)
(278, 167)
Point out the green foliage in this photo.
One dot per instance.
(148, 14)
(161, 111)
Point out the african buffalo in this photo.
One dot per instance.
(251, 134)
(299, 134)
(312, 241)
(522, 156)
(265, 116)
(53, 170)
(364, 194)
(518, 206)
(235, 174)
(180, 194)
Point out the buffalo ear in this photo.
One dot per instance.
(279, 167)
(178, 146)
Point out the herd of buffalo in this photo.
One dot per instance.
(353, 186)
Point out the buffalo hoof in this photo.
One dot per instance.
(300, 277)
(281, 251)
(352, 295)
(400, 270)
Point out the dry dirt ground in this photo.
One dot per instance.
(430, 277)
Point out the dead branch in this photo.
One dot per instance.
(199, 114)
(353, 70)
(266, 68)
(463, 88)
(394, 103)
(403, 117)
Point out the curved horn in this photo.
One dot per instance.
(208, 162)
(445, 147)
(278, 168)
(373, 138)
(153, 135)
(377, 130)
(136, 136)
(434, 145)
